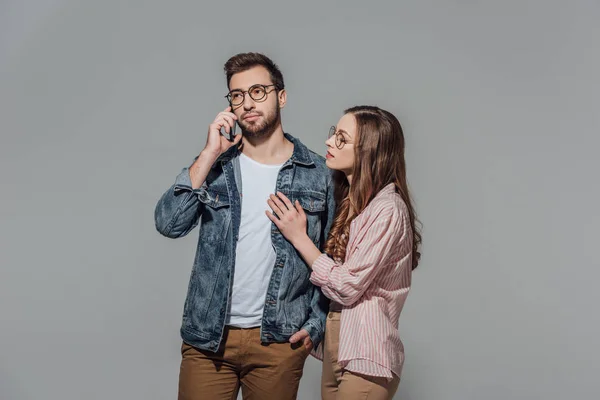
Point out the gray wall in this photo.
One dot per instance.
(102, 103)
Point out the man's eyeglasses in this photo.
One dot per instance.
(256, 92)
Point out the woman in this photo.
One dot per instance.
(372, 248)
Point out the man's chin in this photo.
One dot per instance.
(260, 128)
(254, 130)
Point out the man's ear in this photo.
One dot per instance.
(282, 98)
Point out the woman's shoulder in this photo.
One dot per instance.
(388, 201)
(387, 210)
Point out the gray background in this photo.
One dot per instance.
(102, 103)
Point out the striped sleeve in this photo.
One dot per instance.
(346, 282)
(369, 368)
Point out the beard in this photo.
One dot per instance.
(262, 128)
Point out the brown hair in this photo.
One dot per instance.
(379, 161)
(244, 61)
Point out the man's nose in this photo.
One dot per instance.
(248, 102)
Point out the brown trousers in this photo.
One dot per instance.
(340, 384)
(264, 371)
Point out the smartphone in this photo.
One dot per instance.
(229, 136)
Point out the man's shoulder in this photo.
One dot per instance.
(303, 153)
(317, 158)
(319, 166)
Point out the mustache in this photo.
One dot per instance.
(250, 112)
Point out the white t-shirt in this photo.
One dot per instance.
(255, 256)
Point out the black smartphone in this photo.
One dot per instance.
(229, 136)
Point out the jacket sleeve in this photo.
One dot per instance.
(178, 210)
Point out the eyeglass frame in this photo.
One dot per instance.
(244, 92)
(334, 131)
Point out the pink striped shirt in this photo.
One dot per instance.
(371, 285)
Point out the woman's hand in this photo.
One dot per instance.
(289, 218)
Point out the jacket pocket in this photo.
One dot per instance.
(314, 204)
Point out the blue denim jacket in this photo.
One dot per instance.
(292, 302)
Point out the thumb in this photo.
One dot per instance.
(237, 138)
(296, 337)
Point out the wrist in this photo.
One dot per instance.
(301, 240)
(200, 168)
(207, 157)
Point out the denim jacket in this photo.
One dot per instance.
(292, 302)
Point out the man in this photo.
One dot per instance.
(251, 316)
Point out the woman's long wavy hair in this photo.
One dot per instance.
(378, 161)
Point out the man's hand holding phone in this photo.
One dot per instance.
(221, 136)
